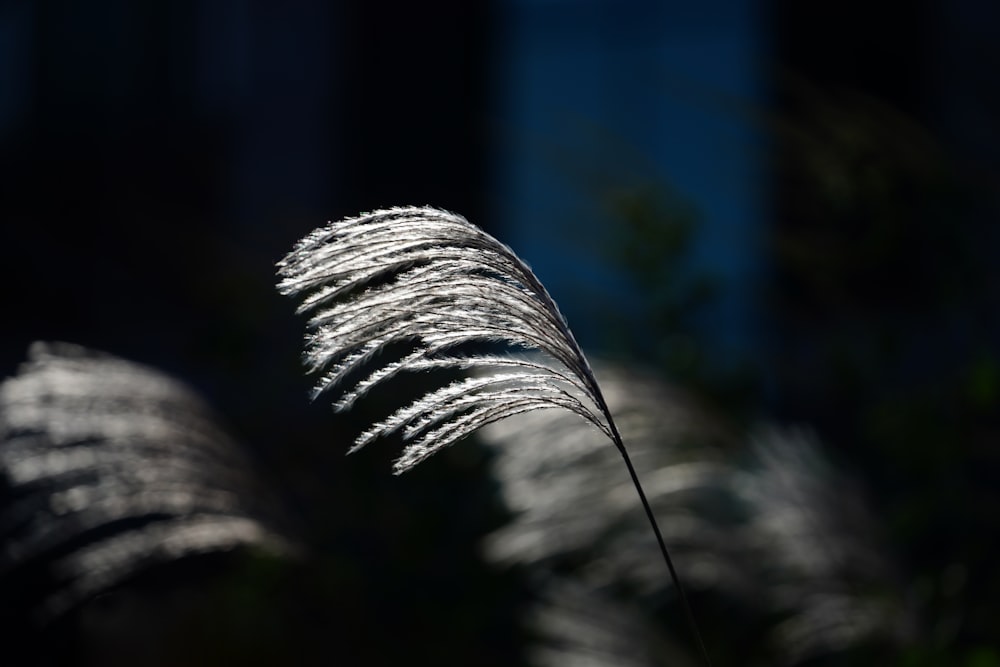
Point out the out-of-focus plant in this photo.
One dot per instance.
(776, 536)
(884, 305)
(121, 497)
(880, 311)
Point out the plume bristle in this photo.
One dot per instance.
(431, 280)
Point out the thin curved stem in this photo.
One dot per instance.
(688, 612)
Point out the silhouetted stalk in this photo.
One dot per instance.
(688, 611)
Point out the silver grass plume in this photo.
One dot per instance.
(822, 560)
(578, 624)
(778, 528)
(108, 468)
(445, 283)
(428, 278)
(558, 478)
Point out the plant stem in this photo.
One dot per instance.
(659, 539)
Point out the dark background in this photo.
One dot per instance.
(157, 159)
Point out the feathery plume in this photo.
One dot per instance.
(431, 280)
(577, 624)
(779, 529)
(559, 479)
(107, 468)
(822, 561)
